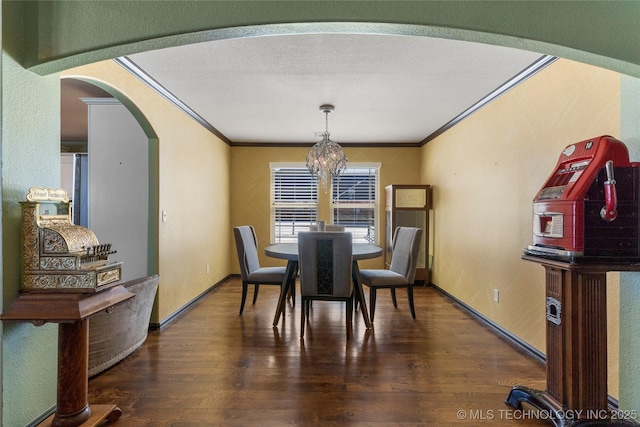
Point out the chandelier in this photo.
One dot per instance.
(326, 158)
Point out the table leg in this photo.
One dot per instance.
(289, 281)
(359, 294)
(73, 361)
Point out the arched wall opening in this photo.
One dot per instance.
(151, 169)
(390, 29)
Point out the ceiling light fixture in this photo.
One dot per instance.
(326, 159)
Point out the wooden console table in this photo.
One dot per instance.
(576, 302)
(71, 311)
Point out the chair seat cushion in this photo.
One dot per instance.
(267, 274)
(382, 278)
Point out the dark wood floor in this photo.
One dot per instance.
(211, 367)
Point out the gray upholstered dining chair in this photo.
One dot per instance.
(250, 270)
(325, 260)
(402, 272)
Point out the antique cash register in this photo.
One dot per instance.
(58, 255)
(66, 279)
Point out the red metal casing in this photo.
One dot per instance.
(559, 205)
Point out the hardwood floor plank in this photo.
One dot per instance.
(211, 367)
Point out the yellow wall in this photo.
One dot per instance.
(194, 190)
(486, 171)
(250, 180)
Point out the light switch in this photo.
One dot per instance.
(164, 216)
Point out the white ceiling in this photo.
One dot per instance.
(386, 89)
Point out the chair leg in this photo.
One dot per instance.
(292, 290)
(393, 297)
(349, 317)
(255, 293)
(355, 304)
(245, 285)
(303, 315)
(410, 295)
(372, 303)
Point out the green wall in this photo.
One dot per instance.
(601, 33)
(630, 282)
(30, 156)
(48, 36)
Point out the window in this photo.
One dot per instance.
(294, 201)
(354, 201)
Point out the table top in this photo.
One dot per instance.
(63, 307)
(289, 251)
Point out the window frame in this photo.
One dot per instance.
(352, 168)
(276, 236)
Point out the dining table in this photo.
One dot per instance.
(289, 252)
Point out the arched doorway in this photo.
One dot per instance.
(107, 155)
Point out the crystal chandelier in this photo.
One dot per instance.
(326, 159)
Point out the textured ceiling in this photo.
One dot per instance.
(386, 89)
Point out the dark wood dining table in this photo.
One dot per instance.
(289, 251)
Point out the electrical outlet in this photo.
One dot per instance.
(496, 295)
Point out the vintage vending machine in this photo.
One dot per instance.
(585, 224)
(587, 210)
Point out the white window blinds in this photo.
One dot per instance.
(294, 201)
(354, 201)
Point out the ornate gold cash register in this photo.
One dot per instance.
(58, 255)
(66, 279)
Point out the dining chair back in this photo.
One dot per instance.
(405, 248)
(325, 271)
(251, 272)
(402, 271)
